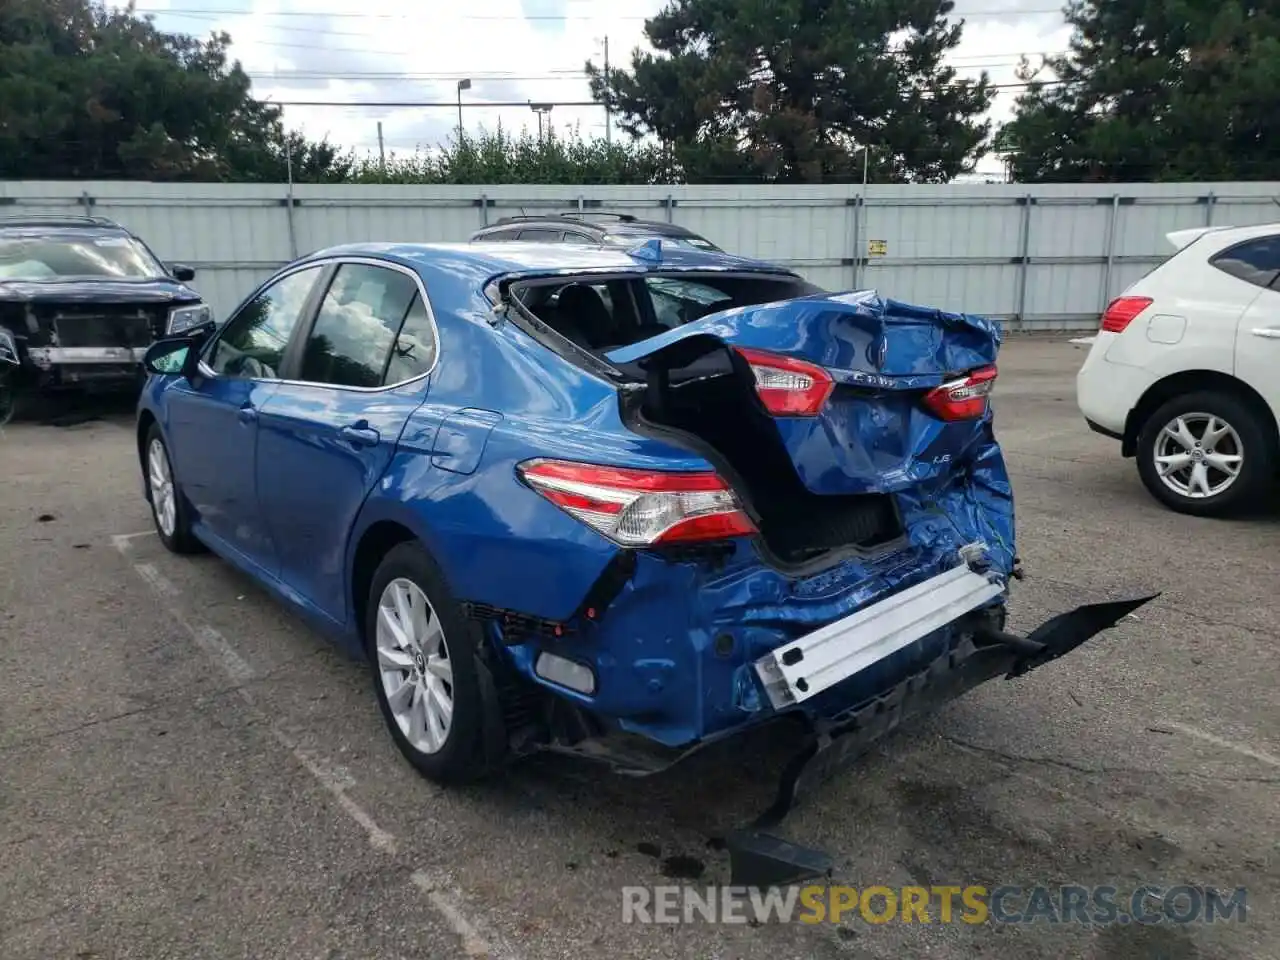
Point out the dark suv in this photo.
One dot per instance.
(590, 228)
(81, 298)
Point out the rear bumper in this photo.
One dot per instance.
(1107, 391)
(1104, 431)
(984, 652)
(806, 667)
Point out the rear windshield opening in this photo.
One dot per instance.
(603, 314)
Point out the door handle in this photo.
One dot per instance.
(360, 435)
(247, 414)
(1270, 333)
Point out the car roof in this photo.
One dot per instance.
(608, 223)
(485, 261)
(60, 226)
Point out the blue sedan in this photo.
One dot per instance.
(616, 503)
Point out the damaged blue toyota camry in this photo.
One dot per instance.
(615, 503)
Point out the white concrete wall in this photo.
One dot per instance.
(1046, 257)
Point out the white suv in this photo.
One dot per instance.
(1185, 371)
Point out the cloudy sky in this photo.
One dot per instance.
(369, 52)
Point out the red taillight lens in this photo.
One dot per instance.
(639, 508)
(964, 399)
(788, 387)
(1121, 311)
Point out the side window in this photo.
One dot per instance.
(253, 342)
(415, 347)
(677, 302)
(581, 238)
(497, 236)
(541, 236)
(356, 325)
(1254, 261)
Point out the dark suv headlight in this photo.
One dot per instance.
(182, 319)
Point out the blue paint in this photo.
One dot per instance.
(288, 496)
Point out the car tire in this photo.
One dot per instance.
(1216, 432)
(169, 509)
(423, 657)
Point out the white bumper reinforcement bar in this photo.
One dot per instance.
(803, 668)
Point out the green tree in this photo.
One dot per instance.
(1177, 90)
(87, 92)
(789, 90)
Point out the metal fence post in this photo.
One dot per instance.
(857, 239)
(1024, 258)
(1113, 220)
(293, 230)
(670, 203)
(87, 202)
(1209, 203)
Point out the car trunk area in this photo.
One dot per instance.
(702, 397)
(710, 405)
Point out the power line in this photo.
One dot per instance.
(498, 17)
(471, 105)
(452, 104)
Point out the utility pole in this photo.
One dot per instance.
(382, 153)
(608, 115)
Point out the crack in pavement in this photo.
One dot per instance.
(1104, 768)
(274, 675)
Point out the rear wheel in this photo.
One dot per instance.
(422, 652)
(1206, 453)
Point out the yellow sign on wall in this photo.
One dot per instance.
(877, 248)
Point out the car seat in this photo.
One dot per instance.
(584, 318)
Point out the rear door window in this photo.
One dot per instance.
(1255, 261)
(359, 319)
(414, 351)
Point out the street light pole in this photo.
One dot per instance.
(540, 109)
(462, 85)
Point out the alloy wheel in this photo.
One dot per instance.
(164, 502)
(1198, 455)
(414, 665)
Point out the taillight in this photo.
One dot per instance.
(963, 399)
(639, 508)
(1121, 311)
(788, 387)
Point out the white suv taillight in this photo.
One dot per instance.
(1122, 311)
(640, 508)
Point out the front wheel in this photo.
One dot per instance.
(1206, 453)
(168, 506)
(423, 655)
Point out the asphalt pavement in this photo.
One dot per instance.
(188, 771)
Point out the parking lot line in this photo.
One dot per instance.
(1243, 749)
(121, 540)
(335, 780)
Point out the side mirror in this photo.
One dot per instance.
(173, 356)
(182, 272)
